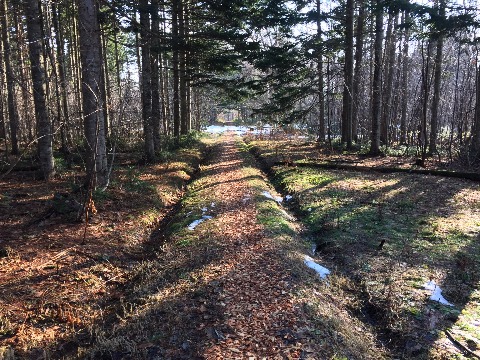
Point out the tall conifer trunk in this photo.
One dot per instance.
(348, 76)
(155, 58)
(321, 98)
(44, 131)
(182, 70)
(358, 67)
(436, 85)
(146, 81)
(92, 87)
(404, 81)
(175, 62)
(377, 81)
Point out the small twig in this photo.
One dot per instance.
(462, 347)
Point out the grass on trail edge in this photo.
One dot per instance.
(327, 303)
(389, 234)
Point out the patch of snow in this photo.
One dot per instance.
(194, 224)
(436, 293)
(270, 196)
(321, 271)
(216, 129)
(288, 197)
(309, 209)
(204, 209)
(212, 205)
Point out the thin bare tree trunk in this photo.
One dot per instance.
(182, 70)
(475, 147)
(175, 62)
(404, 82)
(12, 110)
(321, 85)
(155, 56)
(389, 63)
(358, 67)
(377, 81)
(146, 81)
(348, 76)
(436, 86)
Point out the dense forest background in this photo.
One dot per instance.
(94, 76)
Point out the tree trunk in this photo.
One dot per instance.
(422, 136)
(321, 98)
(106, 86)
(389, 76)
(35, 44)
(348, 76)
(12, 109)
(3, 128)
(94, 123)
(404, 82)
(182, 70)
(475, 146)
(377, 81)
(358, 67)
(146, 81)
(24, 78)
(175, 62)
(155, 56)
(436, 86)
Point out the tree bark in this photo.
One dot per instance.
(358, 67)
(28, 117)
(404, 81)
(436, 86)
(146, 76)
(321, 85)
(389, 76)
(175, 62)
(475, 146)
(182, 70)
(377, 81)
(348, 76)
(44, 131)
(155, 57)
(12, 110)
(422, 136)
(94, 123)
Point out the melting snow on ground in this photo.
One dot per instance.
(321, 271)
(194, 224)
(239, 130)
(288, 197)
(270, 196)
(215, 129)
(436, 293)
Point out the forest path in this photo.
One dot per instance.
(228, 279)
(222, 288)
(256, 314)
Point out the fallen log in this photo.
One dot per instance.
(444, 173)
